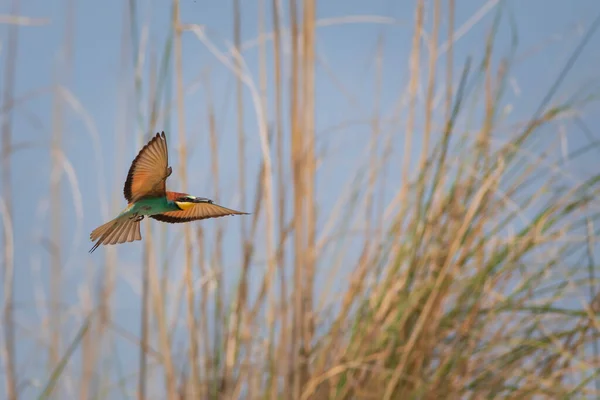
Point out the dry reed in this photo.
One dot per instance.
(454, 285)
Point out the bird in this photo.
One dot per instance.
(146, 195)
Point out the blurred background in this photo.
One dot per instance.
(421, 175)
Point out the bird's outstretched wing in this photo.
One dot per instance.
(148, 171)
(196, 212)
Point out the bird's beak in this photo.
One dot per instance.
(202, 200)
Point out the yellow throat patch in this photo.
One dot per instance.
(184, 205)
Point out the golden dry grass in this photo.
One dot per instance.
(454, 289)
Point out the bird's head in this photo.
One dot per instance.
(185, 201)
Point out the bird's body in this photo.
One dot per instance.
(145, 191)
(150, 206)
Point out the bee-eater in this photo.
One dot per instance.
(146, 194)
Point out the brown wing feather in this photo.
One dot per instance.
(148, 171)
(197, 212)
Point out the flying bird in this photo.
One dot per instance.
(146, 194)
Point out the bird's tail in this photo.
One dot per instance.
(120, 230)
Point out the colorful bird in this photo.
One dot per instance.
(146, 194)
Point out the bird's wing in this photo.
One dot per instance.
(196, 212)
(148, 171)
(119, 230)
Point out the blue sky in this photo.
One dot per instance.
(100, 80)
